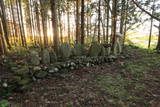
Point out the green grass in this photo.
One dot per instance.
(141, 41)
(127, 85)
(114, 86)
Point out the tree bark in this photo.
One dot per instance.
(38, 24)
(125, 23)
(150, 34)
(44, 22)
(60, 24)
(4, 23)
(3, 49)
(20, 27)
(82, 22)
(68, 19)
(99, 20)
(158, 43)
(107, 29)
(22, 23)
(77, 22)
(123, 2)
(54, 24)
(114, 22)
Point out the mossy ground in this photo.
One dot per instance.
(130, 86)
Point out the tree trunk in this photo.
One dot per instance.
(158, 43)
(3, 49)
(114, 22)
(82, 22)
(4, 23)
(77, 22)
(68, 19)
(107, 29)
(20, 27)
(38, 24)
(87, 23)
(54, 24)
(99, 20)
(123, 2)
(22, 23)
(44, 22)
(28, 19)
(125, 23)
(13, 41)
(103, 28)
(150, 34)
(60, 24)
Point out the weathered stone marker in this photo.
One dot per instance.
(95, 49)
(53, 56)
(118, 43)
(45, 57)
(77, 49)
(65, 50)
(34, 58)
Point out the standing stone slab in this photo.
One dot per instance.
(34, 58)
(53, 56)
(45, 57)
(95, 49)
(65, 50)
(103, 51)
(77, 49)
(108, 50)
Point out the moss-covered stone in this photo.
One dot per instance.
(78, 49)
(65, 50)
(103, 51)
(45, 57)
(22, 71)
(95, 49)
(24, 81)
(40, 74)
(26, 87)
(53, 56)
(34, 58)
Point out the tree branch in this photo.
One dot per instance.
(108, 5)
(154, 17)
(156, 26)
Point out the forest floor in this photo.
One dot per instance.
(131, 82)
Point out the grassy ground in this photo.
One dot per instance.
(136, 83)
(142, 41)
(132, 81)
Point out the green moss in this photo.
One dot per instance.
(114, 86)
(4, 103)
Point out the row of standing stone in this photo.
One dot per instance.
(66, 51)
